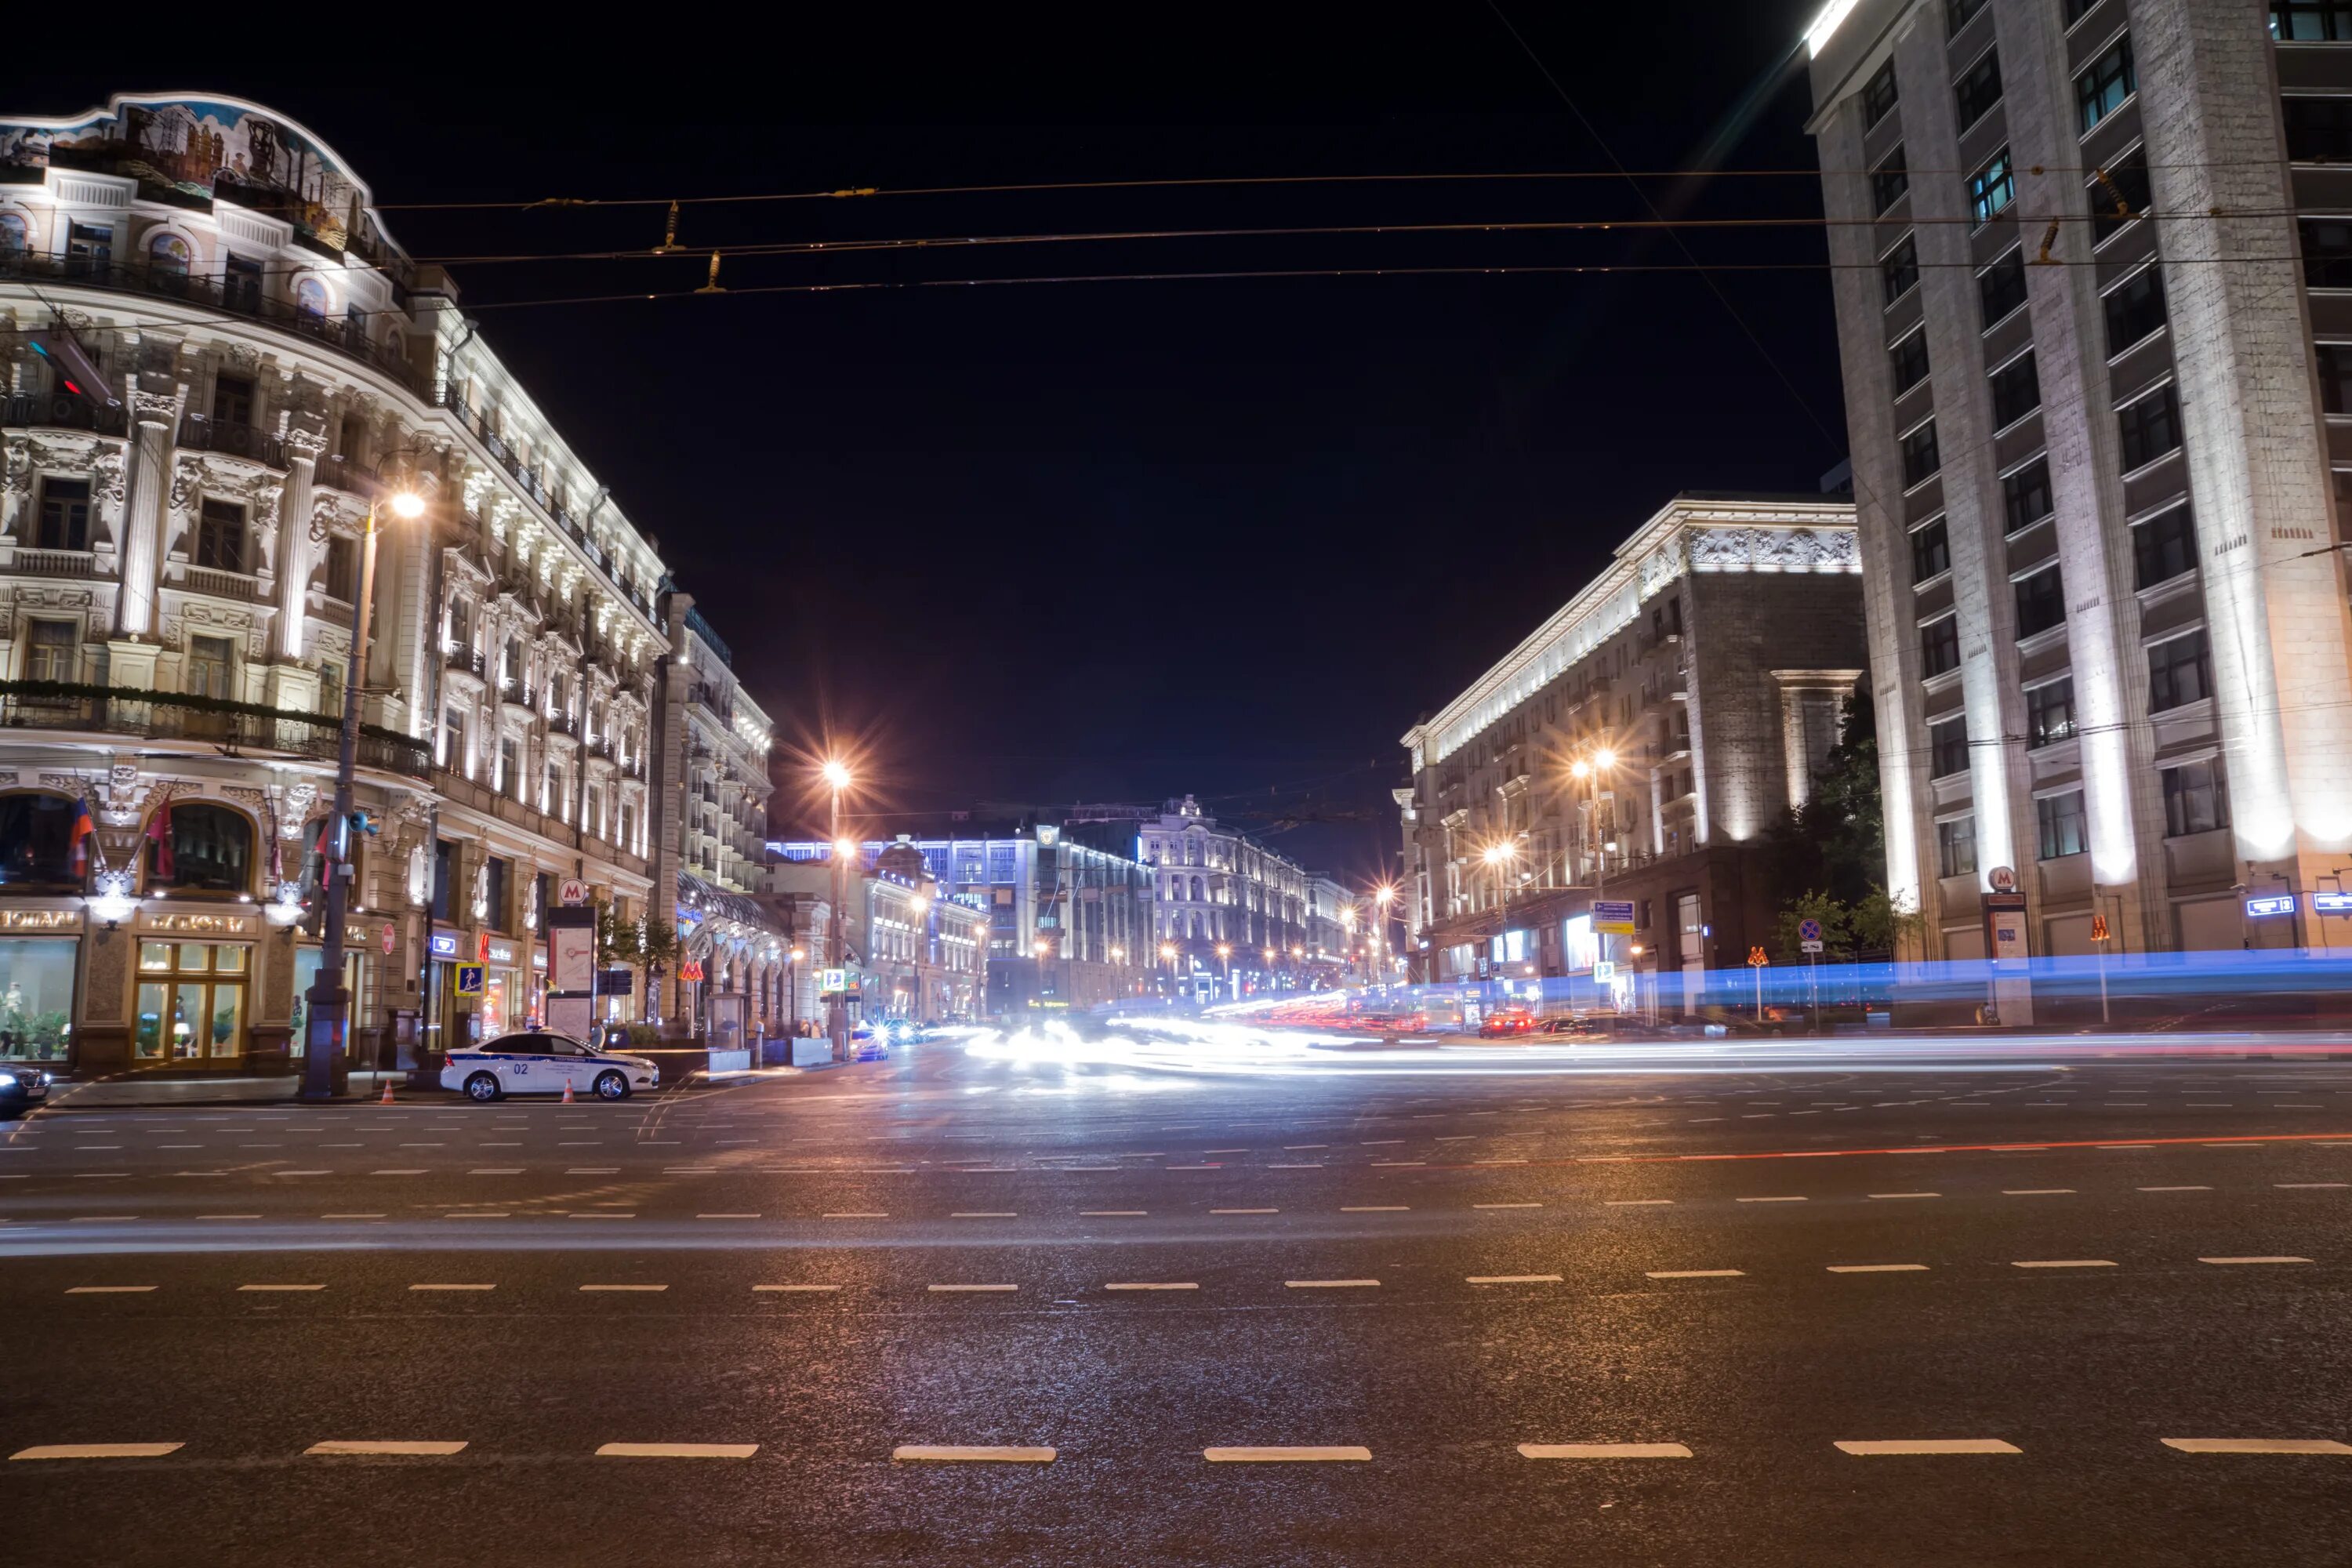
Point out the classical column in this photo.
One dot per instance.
(296, 549)
(146, 494)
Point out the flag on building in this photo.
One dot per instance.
(159, 834)
(78, 837)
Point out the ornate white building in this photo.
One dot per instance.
(179, 551)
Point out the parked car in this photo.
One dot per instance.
(533, 1061)
(21, 1089)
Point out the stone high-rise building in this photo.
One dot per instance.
(2094, 306)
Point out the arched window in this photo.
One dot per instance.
(168, 257)
(37, 841)
(311, 300)
(212, 850)
(1198, 891)
(16, 234)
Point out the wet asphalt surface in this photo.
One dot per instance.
(1741, 1268)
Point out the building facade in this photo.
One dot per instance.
(1700, 681)
(1231, 915)
(918, 948)
(216, 362)
(2093, 368)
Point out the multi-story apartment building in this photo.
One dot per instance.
(1332, 920)
(1225, 901)
(711, 790)
(179, 553)
(1699, 681)
(2093, 286)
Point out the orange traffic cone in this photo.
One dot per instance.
(387, 1093)
(567, 1091)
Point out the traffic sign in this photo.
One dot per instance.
(1755, 958)
(1613, 917)
(469, 980)
(831, 981)
(388, 940)
(571, 891)
(1603, 971)
(2098, 928)
(1808, 935)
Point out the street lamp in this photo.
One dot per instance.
(327, 1027)
(1588, 771)
(835, 773)
(1225, 961)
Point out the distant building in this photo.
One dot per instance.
(1710, 663)
(1231, 917)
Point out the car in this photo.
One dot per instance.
(867, 1044)
(533, 1061)
(1505, 1023)
(1393, 1023)
(21, 1089)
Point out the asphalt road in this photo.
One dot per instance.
(1453, 1313)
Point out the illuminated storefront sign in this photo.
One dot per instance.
(445, 944)
(2332, 903)
(200, 925)
(2275, 904)
(40, 920)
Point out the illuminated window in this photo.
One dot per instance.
(2041, 601)
(1992, 187)
(2179, 671)
(2134, 310)
(2104, 83)
(1931, 551)
(1978, 90)
(2120, 196)
(2025, 495)
(1920, 460)
(2195, 799)
(2060, 828)
(1899, 269)
(1956, 846)
(1888, 181)
(2001, 287)
(2016, 391)
(1908, 360)
(1878, 95)
(49, 650)
(2048, 713)
(1947, 748)
(1940, 646)
(2150, 429)
(220, 536)
(2164, 547)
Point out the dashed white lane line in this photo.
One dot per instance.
(1376, 1208)
(1878, 1268)
(1696, 1273)
(1511, 1279)
(1873, 1447)
(957, 1454)
(1539, 1205)
(2176, 1189)
(797, 1290)
(1331, 1284)
(622, 1287)
(389, 1447)
(678, 1450)
(1768, 1200)
(1906, 1195)
(1603, 1451)
(2063, 1263)
(1286, 1455)
(1153, 1285)
(2230, 1260)
(727, 1217)
(351, 1216)
(2290, 1186)
(1636, 1203)
(952, 1289)
(281, 1287)
(108, 1289)
(96, 1451)
(1113, 1214)
(406, 1170)
(982, 1214)
(452, 1286)
(583, 1214)
(858, 1214)
(2034, 1191)
(2258, 1446)
(1244, 1211)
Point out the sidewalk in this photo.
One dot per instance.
(105, 1094)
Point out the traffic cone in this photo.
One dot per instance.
(387, 1093)
(567, 1091)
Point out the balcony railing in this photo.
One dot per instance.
(62, 412)
(54, 564)
(465, 661)
(344, 337)
(204, 435)
(175, 716)
(221, 584)
(562, 724)
(349, 474)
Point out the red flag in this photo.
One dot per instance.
(159, 834)
(77, 837)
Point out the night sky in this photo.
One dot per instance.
(1107, 540)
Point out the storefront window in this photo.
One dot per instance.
(191, 1003)
(306, 974)
(36, 998)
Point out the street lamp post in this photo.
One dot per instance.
(1168, 951)
(1225, 963)
(836, 1006)
(326, 1029)
(1590, 770)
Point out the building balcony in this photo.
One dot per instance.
(202, 435)
(50, 562)
(562, 724)
(62, 412)
(229, 727)
(216, 583)
(348, 474)
(465, 660)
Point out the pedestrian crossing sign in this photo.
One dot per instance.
(469, 980)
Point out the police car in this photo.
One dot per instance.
(534, 1062)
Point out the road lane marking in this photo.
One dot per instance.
(593, 1171)
(1295, 1148)
(1244, 1211)
(1330, 1283)
(1905, 1194)
(796, 1288)
(858, 1214)
(583, 1213)
(1636, 1203)
(1140, 1285)
(1603, 1451)
(624, 1287)
(1376, 1208)
(1277, 1166)
(2257, 1446)
(1397, 1163)
(1113, 1214)
(2294, 1186)
(678, 1450)
(1878, 1268)
(2228, 1260)
(1929, 1446)
(1537, 1205)
(1284, 1456)
(2063, 1263)
(96, 1451)
(281, 1287)
(100, 1218)
(108, 1289)
(955, 1454)
(945, 1289)
(356, 1445)
(1696, 1273)
(1511, 1279)
(452, 1286)
(2034, 1191)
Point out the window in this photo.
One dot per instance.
(211, 667)
(1957, 13)
(461, 623)
(331, 688)
(1993, 188)
(511, 665)
(444, 874)
(2001, 287)
(1878, 95)
(1920, 460)
(1888, 181)
(509, 765)
(212, 850)
(2134, 310)
(2311, 21)
(232, 400)
(2194, 799)
(1978, 90)
(592, 811)
(495, 879)
(2106, 82)
(1947, 748)
(2016, 391)
(2119, 194)
(1899, 269)
(2078, 9)
(2041, 601)
(1931, 551)
(191, 1002)
(626, 835)
(1940, 646)
(2048, 713)
(2318, 130)
(2164, 547)
(241, 285)
(2150, 429)
(2326, 252)
(551, 797)
(2059, 821)
(220, 535)
(36, 840)
(64, 520)
(342, 569)
(2335, 377)
(2179, 672)
(49, 649)
(1956, 846)
(1909, 360)
(2025, 495)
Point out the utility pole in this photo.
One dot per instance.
(837, 1007)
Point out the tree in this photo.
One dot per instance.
(1835, 848)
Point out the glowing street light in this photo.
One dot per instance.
(835, 773)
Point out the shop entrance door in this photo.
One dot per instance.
(192, 1005)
